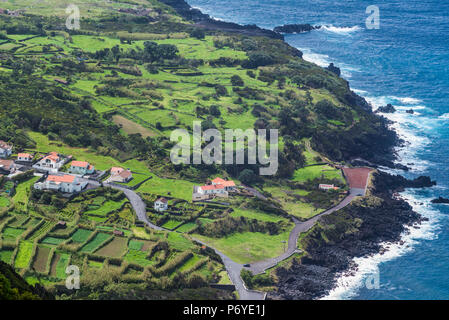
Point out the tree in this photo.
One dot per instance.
(237, 81)
(214, 110)
(198, 34)
(247, 176)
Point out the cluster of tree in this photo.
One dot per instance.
(230, 225)
(35, 105)
(14, 287)
(152, 52)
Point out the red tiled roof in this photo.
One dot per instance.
(213, 187)
(81, 164)
(4, 145)
(6, 164)
(163, 200)
(125, 174)
(218, 181)
(223, 182)
(116, 170)
(67, 178)
(24, 155)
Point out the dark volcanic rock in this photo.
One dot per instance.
(410, 111)
(357, 230)
(205, 21)
(386, 109)
(440, 200)
(295, 28)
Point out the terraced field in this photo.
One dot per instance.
(116, 248)
(95, 242)
(24, 254)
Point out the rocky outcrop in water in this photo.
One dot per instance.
(205, 21)
(440, 200)
(295, 28)
(386, 109)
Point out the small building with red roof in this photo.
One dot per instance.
(24, 157)
(120, 175)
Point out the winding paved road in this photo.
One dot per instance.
(233, 268)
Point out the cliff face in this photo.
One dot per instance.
(356, 231)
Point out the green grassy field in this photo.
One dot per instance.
(4, 202)
(248, 247)
(81, 235)
(95, 242)
(24, 254)
(313, 172)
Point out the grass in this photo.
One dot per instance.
(12, 233)
(135, 245)
(248, 247)
(290, 204)
(20, 199)
(81, 235)
(138, 257)
(179, 242)
(24, 254)
(95, 242)
(116, 248)
(168, 187)
(4, 202)
(171, 224)
(313, 172)
(5, 256)
(130, 127)
(189, 263)
(252, 214)
(62, 264)
(52, 240)
(104, 209)
(186, 227)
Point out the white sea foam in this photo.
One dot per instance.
(319, 59)
(349, 283)
(341, 30)
(412, 129)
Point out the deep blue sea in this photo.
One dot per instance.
(405, 62)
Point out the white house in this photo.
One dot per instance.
(161, 204)
(81, 167)
(51, 162)
(5, 149)
(328, 187)
(120, 175)
(24, 157)
(63, 183)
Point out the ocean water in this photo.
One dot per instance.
(405, 62)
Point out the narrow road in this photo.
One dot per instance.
(261, 266)
(357, 178)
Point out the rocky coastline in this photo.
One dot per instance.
(356, 231)
(360, 228)
(205, 21)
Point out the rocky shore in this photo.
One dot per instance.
(295, 28)
(205, 21)
(356, 231)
